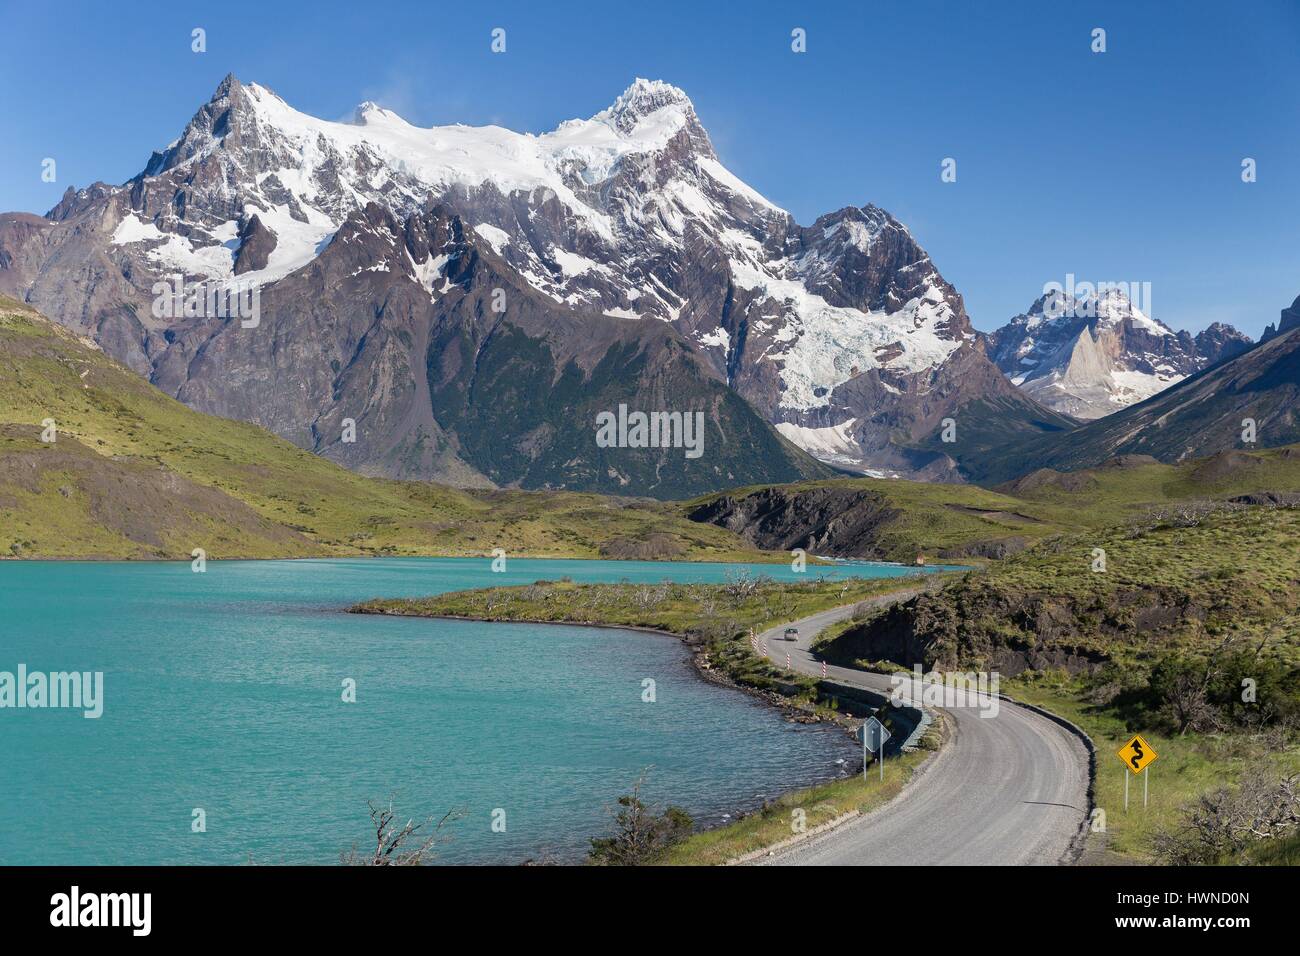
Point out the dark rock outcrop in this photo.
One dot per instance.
(1289, 320)
(1219, 342)
(969, 626)
(256, 243)
(1269, 499)
(834, 522)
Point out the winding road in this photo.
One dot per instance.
(1010, 789)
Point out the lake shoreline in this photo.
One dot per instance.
(758, 557)
(698, 659)
(711, 675)
(229, 682)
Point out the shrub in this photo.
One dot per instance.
(1220, 825)
(640, 836)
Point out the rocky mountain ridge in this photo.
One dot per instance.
(624, 227)
(1089, 356)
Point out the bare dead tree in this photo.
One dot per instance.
(740, 586)
(1189, 704)
(1223, 822)
(409, 844)
(1188, 698)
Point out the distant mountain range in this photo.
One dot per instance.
(1247, 402)
(1092, 355)
(462, 304)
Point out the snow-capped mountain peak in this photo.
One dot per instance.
(371, 112)
(288, 165)
(642, 100)
(627, 215)
(1095, 353)
(1112, 306)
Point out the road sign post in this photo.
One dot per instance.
(1137, 756)
(874, 735)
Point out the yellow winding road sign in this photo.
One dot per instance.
(1137, 754)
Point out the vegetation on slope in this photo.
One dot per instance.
(1185, 579)
(134, 474)
(897, 520)
(1190, 636)
(1192, 768)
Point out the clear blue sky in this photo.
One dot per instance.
(1122, 166)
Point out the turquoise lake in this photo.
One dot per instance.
(223, 691)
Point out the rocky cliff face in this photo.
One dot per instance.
(1289, 320)
(416, 333)
(950, 630)
(830, 521)
(1089, 357)
(619, 230)
(1218, 342)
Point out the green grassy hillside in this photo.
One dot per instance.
(1185, 579)
(897, 520)
(134, 474)
(1172, 610)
